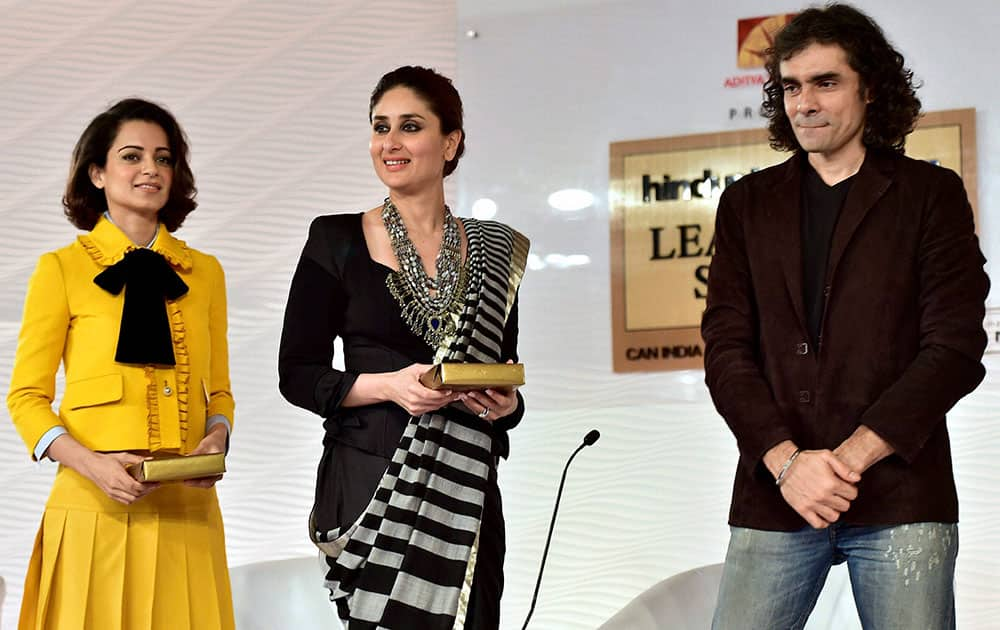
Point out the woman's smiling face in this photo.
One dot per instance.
(407, 146)
(138, 171)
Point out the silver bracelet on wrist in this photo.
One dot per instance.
(788, 464)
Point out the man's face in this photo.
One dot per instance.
(824, 100)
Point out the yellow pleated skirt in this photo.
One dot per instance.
(158, 564)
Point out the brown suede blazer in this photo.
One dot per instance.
(901, 340)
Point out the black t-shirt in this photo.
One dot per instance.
(821, 206)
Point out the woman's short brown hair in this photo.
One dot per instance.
(84, 203)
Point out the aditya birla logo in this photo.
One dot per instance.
(755, 36)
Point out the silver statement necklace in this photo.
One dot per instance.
(430, 305)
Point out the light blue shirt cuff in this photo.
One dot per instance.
(50, 436)
(219, 419)
(47, 439)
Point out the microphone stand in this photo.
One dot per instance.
(589, 439)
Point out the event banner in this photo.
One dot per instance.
(664, 193)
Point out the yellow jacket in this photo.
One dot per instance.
(110, 406)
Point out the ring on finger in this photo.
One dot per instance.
(485, 412)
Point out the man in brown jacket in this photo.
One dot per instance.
(844, 319)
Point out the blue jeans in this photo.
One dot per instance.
(902, 576)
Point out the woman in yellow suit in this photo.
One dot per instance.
(138, 320)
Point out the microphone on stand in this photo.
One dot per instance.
(588, 440)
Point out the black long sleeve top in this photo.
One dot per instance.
(339, 291)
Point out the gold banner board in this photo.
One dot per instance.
(664, 194)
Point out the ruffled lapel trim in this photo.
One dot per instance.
(107, 245)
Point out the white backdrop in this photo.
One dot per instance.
(274, 98)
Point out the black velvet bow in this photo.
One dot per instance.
(148, 279)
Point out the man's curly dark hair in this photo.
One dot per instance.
(893, 107)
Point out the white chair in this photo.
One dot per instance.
(282, 594)
(686, 601)
(680, 602)
(3, 594)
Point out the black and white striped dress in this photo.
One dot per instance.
(408, 560)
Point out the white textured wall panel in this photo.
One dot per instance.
(274, 98)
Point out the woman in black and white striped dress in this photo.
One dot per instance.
(407, 505)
